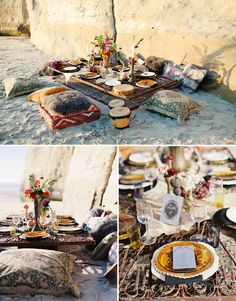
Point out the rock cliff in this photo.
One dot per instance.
(189, 31)
(87, 176)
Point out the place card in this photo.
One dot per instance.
(171, 209)
(184, 257)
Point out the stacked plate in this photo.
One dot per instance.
(35, 235)
(5, 230)
(207, 261)
(141, 159)
(216, 157)
(67, 224)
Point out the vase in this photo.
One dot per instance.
(37, 225)
(106, 61)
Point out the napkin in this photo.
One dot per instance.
(184, 257)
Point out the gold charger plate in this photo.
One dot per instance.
(35, 235)
(204, 259)
(132, 179)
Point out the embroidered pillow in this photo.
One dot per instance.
(173, 72)
(20, 86)
(193, 76)
(172, 104)
(36, 271)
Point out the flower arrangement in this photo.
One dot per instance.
(105, 45)
(40, 190)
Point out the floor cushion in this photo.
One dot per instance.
(36, 271)
(193, 76)
(102, 250)
(67, 109)
(21, 86)
(38, 96)
(172, 104)
(173, 72)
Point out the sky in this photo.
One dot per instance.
(12, 161)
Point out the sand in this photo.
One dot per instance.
(20, 122)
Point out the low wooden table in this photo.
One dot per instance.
(52, 243)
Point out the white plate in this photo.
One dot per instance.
(101, 81)
(141, 158)
(70, 69)
(4, 229)
(112, 82)
(148, 74)
(70, 229)
(216, 156)
(231, 214)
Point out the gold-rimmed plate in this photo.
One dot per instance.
(164, 264)
(35, 235)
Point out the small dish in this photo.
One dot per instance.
(112, 82)
(90, 75)
(148, 74)
(70, 69)
(146, 83)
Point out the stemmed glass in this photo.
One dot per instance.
(150, 174)
(198, 214)
(144, 215)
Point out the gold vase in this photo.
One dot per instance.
(106, 61)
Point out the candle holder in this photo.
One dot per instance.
(132, 75)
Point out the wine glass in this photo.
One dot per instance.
(144, 215)
(198, 214)
(150, 174)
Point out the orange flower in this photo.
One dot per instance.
(46, 194)
(37, 182)
(27, 191)
(26, 207)
(37, 196)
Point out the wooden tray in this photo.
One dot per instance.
(162, 83)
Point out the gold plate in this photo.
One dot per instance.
(35, 234)
(204, 259)
(132, 179)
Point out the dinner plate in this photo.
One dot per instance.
(4, 229)
(70, 69)
(231, 214)
(132, 179)
(90, 75)
(206, 259)
(141, 158)
(146, 83)
(148, 74)
(35, 235)
(216, 157)
(70, 229)
(75, 62)
(164, 259)
(112, 82)
(120, 68)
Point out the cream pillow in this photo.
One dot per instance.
(38, 96)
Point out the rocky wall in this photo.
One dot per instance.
(86, 176)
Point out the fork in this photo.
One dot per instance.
(143, 263)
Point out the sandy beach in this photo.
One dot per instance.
(21, 123)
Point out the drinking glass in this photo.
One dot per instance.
(15, 222)
(144, 215)
(217, 191)
(134, 236)
(150, 174)
(213, 235)
(198, 214)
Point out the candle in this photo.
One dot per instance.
(132, 55)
